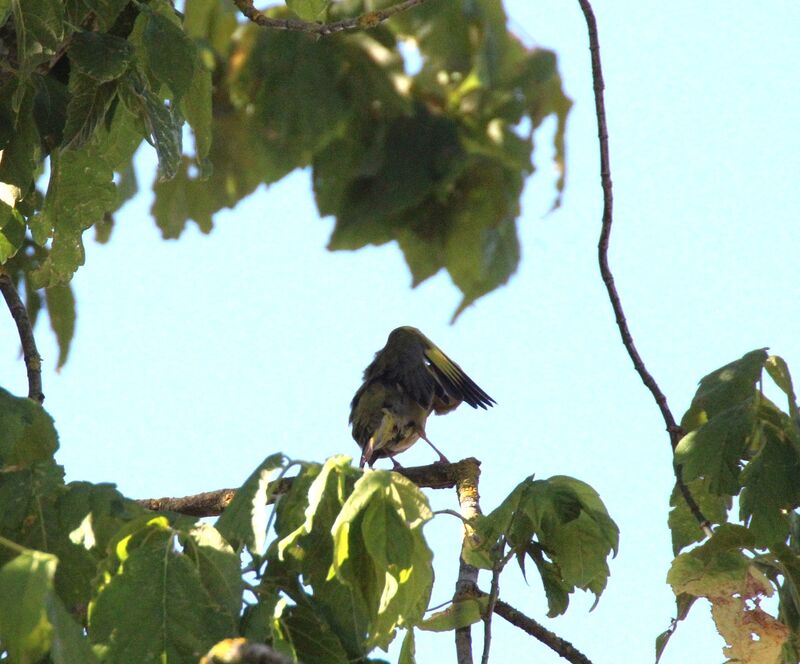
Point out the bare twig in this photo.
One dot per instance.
(487, 618)
(493, 596)
(362, 22)
(562, 647)
(451, 513)
(675, 432)
(468, 472)
(213, 503)
(33, 362)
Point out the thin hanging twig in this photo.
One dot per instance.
(675, 432)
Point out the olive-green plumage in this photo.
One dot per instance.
(409, 379)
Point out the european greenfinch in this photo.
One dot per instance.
(409, 379)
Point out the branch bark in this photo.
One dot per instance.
(213, 503)
(675, 431)
(561, 646)
(468, 472)
(33, 361)
(362, 22)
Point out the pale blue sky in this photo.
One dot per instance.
(195, 359)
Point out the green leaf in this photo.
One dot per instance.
(162, 123)
(88, 104)
(312, 638)
(770, 488)
(305, 116)
(714, 450)
(308, 10)
(170, 53)
(61, 311)
(683, 524)
(21, 153)
(728, 387)
(460, 613)
(156, 608)
(244, 521)
(393, 578)
(211, 21)
(196, 106)
(412, 160)
(39, 26)
(28, 497)
(564, 518)
(779, 372)
(26, 582)
(310, 541)
(408, 652)
(12, 231)
(100, 56)
(80, 191)
(556, 589)
(50, 108)
(219, 567)
(105, 12)
(27, 434)
(69, 645)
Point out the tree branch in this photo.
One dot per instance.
(33, 362)
(675, 432)
(468, 472)
(562, 647)
(363, 22)
(213, 503)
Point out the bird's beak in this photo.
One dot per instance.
(366, 455)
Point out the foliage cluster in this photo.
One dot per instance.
(418, 131)
(327, 574)
(434, 159)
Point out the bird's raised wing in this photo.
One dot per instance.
(456, 384)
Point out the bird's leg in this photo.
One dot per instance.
(442, 457)
(395, 464)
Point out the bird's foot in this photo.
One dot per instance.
(395, 465)
(442, 459)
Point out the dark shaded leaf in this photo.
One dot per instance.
(155, 607)
(12, 231)
(100, 56)
(27, 434)
(61, 311)
(171, 55)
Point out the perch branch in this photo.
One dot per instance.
(362, 22)
(33, 362)
(468, 472)
(562, 647)
(213, 503)
(675, 432)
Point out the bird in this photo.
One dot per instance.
(409, 379)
